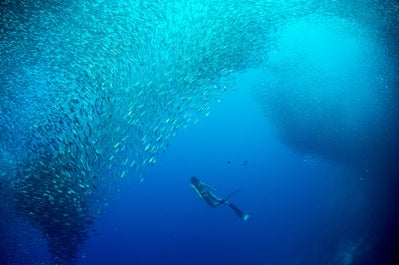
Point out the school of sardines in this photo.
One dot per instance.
(92, 91)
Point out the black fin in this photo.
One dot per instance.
(231, 194)
(238, 212)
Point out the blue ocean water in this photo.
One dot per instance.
(287, 198)
(109, 108)
(304, 209)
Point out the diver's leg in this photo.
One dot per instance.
(211, 199)
(217, 202)
(231, 194)
(239, 213)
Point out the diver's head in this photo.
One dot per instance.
(194, 181)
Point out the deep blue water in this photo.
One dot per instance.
(304, 210)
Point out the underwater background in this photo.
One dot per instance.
(108, 108)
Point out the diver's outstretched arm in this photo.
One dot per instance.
(196, 191)
(238, 212)
(206, 185)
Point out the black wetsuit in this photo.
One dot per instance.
(204, 191)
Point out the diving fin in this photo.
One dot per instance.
(231, 194)
(238, 212)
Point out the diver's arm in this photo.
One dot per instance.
(206, 185)
(196, 191)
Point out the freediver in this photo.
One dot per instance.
(204, 191)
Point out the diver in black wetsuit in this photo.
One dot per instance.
(204, 192)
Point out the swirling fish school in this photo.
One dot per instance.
(92, 91)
